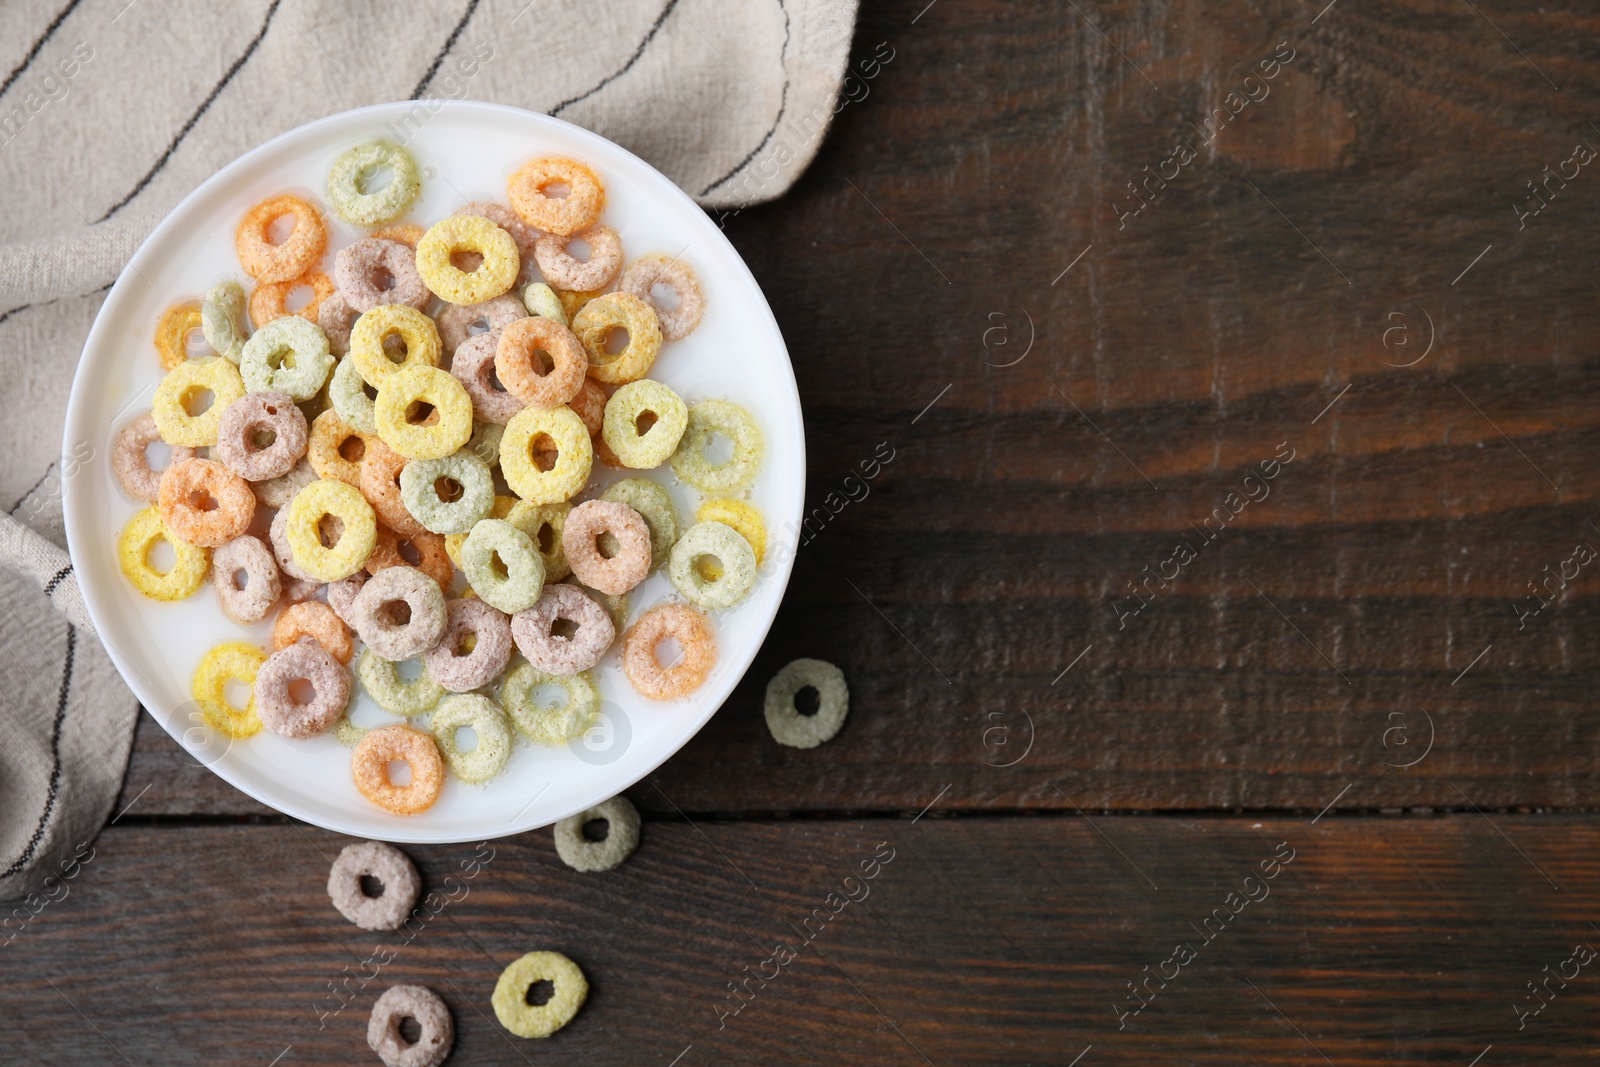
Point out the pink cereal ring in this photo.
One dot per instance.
(275, 691)
(251, 416)
(581, 541)
(130, 458)
(250, 600)
(462, 670)
(459, 323)
(522, 234)
(564, 271)
(473, 366)
(519, 362)
(394, 634)
(342, 594)
(374, 271)
(647, 272)
(535, 631)
(695, 638)
(337, 318)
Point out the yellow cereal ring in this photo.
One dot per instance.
(335, 448)
(527, 433)
(740, 515)
(235, 661)
(340, 500)
(133, 553)
(572, 302)
(172, 334)
(613, 311)
(498, 510)
(442, 431)
(182, 384)
(420, 335)
(467, 233)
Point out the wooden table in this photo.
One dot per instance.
(1201, 435)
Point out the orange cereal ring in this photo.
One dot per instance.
(313, 619)
(590, 404)
(531, 187)
(173, 331)
(336, 449)
(380, 484)
(204, 503)
(406, 235)
(300, 251)
(269, 300)
(369, 764)
(519, 362)
(694, 636)
(423, 550)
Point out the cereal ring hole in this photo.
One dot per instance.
(298, 297)
(236, 693)
(240, 579)
(421, 413)
(397, 612)
(371, 888)
(550, 697)
(161, 557)
(409, 552)
(555, 190)
(718, 450)
(665, 296)
(201, 500)
(644, 420)
(616, 341)
(197, 400)
(607, 545)
(394, 346)
(709, 567)
(374, 179)
(546, 538)
(409, 671)
(409, 1029)
(261, 438)
(398, 771)
(353, 448)
(807, 700)
(448, 489)
(668, 652)
(597, 829)
(579, 249)
(302, 692)
(466, 262)
(466, 739)
(468, 642)
(539, 993)
(545, 452)
(281, 228)
(329, 529)
(565, 629)
(157, 454)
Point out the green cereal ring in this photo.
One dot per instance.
(493, 539)
(485, 442)
(419, 489)
(622, 836)
(791, 728)
(543, 524)
(654, 505)
(348, 392)
(488, 757)
(550, 724)
(689, 462)
(381, 679)
(510, 999)
(526, 433)
(219, 320)
(352, 203)
(703, 586)
(289, 355)
(347, 732)
(541, 300)
(643, 423)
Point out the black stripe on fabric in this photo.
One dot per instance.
(637, 52)
(210, 99)
(449, 43)
(55, 758)
(56, 580)
(783, 107)
(47, 303)
(33, 53)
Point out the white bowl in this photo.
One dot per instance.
(467, 150)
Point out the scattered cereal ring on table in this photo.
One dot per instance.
(510, 999)
(536, 636)
(336, 318)
(473, 365)
(594, 327)
(543, 524)
(561, 268)
(461, 667)
(458, 322)
(369, 765)
(182, 386)
(134, 544)
(130, 458)
(695, 638)
(622, 836)
(448, 495)
(724, 417)
(325, 499)
(644, 421)
(288, 355)
(234, 661)
(254, 415)
(172, 333)
(519, 362)
(299, 252)
(549, 724)
(542, 300)
(529, 430)
(422, 550)
(270, 301)
(416, 330)
(315, 620)
(336, 449)
(467, 233)
(647, 272)
(444, 429)
(204, 503)
(219, 320)
(373, 272)
(347, 392)
(518, 581)
(654, 505)
(248, 602)
(487, 721)
(706, 587)
(791, 728)
(276, 492)
(530, 187)
(391, 868)
(374, 613)
(347, 179)
(629, 561)
(380, 484)
(303, 661)
(739, 514)
(381, 679)
(436, 1030)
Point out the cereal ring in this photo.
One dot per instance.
(369, 764)
(249, 601)
(296, 590)
(524, 235)
(561, 268)
(235, 661)
(343, 592)
(406, 234)
(542, 300)
(530, 478)
(219, 320)
(133, 554)
(616, 606)
(788, 725)
(249, 418)
(372, 357)
(422, 550)
(537, 631)
(205, 503)
(276, 492)
(498, 510)
(130, 458)
(184, 384)
(421, 1005)
(485, 442)
(481, 763)
(627, 565)
(644, 423)
(605, 316)
(348, 392)
(622, 836)
(278, 540)
(347, 178)
(510, 999)
(694, 636)
(315, 620)
(270, 301)
(441, 431)
(460, 667)
(346, 732)
(380, 484)
(468, 233)
(337, 318)
(299, 252)
(324, 499)
(654, 505)
(706, 586)
(372, 272)
(284, 715)
(460, 322)
(577, 210)
(381, 679)
(724, 417)
(390, 633)
(550, 724)
(573, 302)
(590, 404)
(647, 272)
(172, 333)
(289, 355)
(520, 356)
(474, 366)
(543, 524)
(463, 476)
(398, 885)
(494, 540)
(739, 514)
(336, 449)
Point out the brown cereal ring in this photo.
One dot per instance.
(520, 356)
(458, 322)
(474, 367)
(363, 269)
(594, 326)
(461, 669)
(337, 318)
(380, 484)
(436, 1030)
(276, 492)
(647, 272)
(299, 252)
(319, 622)
(187, 488)
(578, 210)
(580, 539)
(564, 271)
(130, 458)
(255, 413)
(391, 869)
(262, 586)
(275, 700)
(270, 299)
(342, 594)
(336, 449)
(590, 404)
(173, 333)
(297, 590)
(535, 630)
(428, 548)
(406, 234)
(524, 235)
(377, 619)
(369, 764)
(694, 636)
